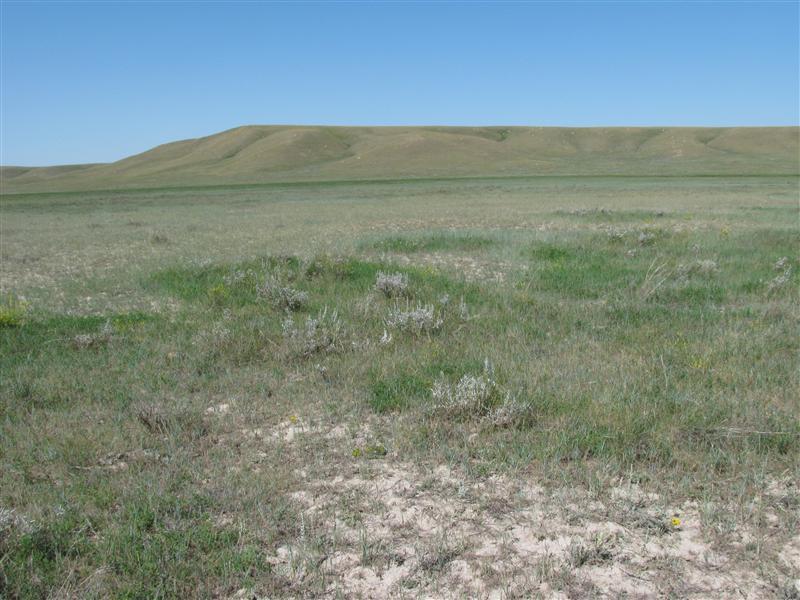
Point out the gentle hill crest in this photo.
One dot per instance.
(261, 154)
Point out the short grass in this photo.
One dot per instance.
(440, 241)
(144, 379)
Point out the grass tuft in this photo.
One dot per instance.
(13, 311)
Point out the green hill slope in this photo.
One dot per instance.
(256, 154)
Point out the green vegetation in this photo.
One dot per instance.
(12, 311)
(432, 242)
(264, 154)
(164, 407)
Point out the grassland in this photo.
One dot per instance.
(261, 154)
(578, 387)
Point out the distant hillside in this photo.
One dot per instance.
(256, 154)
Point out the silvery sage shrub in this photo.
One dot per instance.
(472, 395)
(419, 319)
(480, 396)
(318, 334)
(94, 340)
(704, 268)
(282, 296)
(391, 285)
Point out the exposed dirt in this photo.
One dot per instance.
(386, 529)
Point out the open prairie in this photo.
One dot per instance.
(276, 153)
(515, 387)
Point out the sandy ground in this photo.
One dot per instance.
(394, 530)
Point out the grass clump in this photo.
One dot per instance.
(13, 311)
(161, 419)
(397, 392)
(219, 295)
(83, 341)
(702, 268)
(158, 238)
(550, 252)
(596, 551)
(439, 553)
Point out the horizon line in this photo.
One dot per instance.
(500, 126)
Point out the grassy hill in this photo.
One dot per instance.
(260, 154)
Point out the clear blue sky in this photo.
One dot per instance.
(86, 82)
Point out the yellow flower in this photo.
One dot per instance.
(676, 522)
(293, 418)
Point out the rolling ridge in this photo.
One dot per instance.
(262, 154)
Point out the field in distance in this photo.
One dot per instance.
(259, 154)
(556, 387)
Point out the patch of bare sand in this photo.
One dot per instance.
(404, 533)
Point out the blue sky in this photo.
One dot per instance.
(91, 82)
